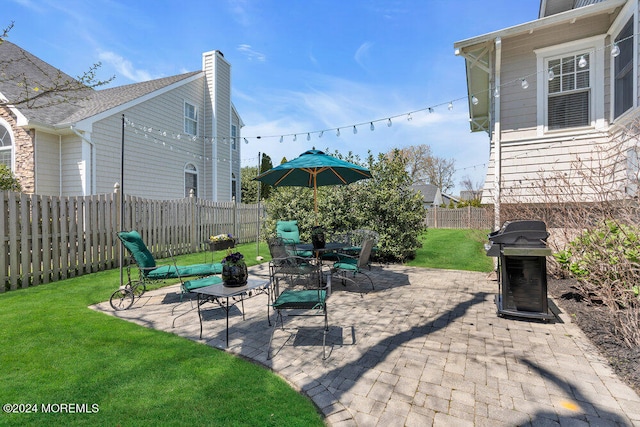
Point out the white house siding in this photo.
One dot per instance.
(525, 154)
(155, 157)
(47, 164)
(73, 166)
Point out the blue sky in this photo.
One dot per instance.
(298, 66)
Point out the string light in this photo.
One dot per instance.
(550, 74)
(582, 62)
(615, 50)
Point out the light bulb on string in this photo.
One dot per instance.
(281, 139)
(450, 106)
(295, 138)
(389, 123)
(430, 110)
(372, 127)
(355, 130)
(338, 132)
(320, 134)
(524, 83)
(308, 137)
(474, 100)
(615, 50)
(496, 92)
(246, 141)
(582, 62)
(551, 75)
(409, 118)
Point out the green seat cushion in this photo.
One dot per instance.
(169, 271)
(139, 251)
(346, 265)
(201, 283)
(302, 299)
(289, 231)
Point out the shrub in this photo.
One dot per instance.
(385, 204)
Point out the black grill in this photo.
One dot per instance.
(521, 249)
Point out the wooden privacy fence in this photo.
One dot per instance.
(467, 217)
(48, 238)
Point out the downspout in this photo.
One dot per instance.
(90, 175)
(497, 136)
(60, 165)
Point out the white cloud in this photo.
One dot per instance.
(251, 54)
(362, 54)
(125, 67)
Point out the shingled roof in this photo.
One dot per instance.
(17, 65)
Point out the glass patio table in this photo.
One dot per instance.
(226, 297)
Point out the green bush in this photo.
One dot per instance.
(385, 203)
(605, 260)
(7, 180)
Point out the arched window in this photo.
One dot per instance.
(190, 180)
(6, 145)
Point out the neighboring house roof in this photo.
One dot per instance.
(103, 100)
(430, 193)
(478, 50)
(56, 108)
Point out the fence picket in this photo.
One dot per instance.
(48, 238)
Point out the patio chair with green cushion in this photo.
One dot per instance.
(347, 267)
(356, 239)
(290, 234)
(149, 270)
(303, 294)
(286, 266)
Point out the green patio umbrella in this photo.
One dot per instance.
(313, 169)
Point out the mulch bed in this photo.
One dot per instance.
(593, 320)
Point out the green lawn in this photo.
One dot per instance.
(54, 350)
(453, 250)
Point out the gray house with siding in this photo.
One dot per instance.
(556, 92)
(181, 133)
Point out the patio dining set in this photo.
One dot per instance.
(300, 276)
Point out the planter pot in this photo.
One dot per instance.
(223, 244)
(317, 237)
(234, 275)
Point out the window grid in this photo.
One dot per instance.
(190, 119)
(568, 103)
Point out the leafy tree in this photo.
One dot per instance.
(265, 165)
(43, 89)
(248, 186)
(7, 180)
(423, 166)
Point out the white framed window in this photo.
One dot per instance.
(571, 93)
(190, 180)
(6, 145)
(234, 137)
(190, 119)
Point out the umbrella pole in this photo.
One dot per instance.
(315, 197)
